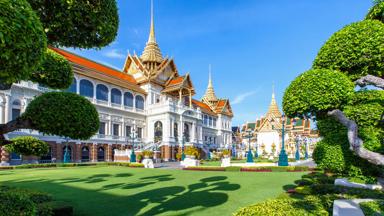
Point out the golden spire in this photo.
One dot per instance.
(273, 108)
(152, 51)
(210, 92)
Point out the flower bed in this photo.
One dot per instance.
(202, 168)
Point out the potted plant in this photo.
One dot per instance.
(226, 153)
(139, 158)
(147, 154)
(191, 152)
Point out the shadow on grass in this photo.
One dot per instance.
(207, 192)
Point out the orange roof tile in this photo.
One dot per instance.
(203, 106)
(93, 65)
(176, 80)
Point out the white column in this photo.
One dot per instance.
(181, 127)
(193, 128)
(7, 106)
(78, 86)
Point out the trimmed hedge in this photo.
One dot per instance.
(53, 165)
(251, 169)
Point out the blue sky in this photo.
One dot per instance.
(250, 44)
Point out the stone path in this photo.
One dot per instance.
(348, 207)
(168, 165)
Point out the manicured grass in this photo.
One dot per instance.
(136, 191)
(373, 208)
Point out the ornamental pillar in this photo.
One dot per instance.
(4, 157)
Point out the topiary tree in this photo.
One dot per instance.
(353, 56)
(27, 28)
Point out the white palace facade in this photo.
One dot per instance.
(146, 105)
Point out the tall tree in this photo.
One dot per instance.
(27, 29)
(353, 56)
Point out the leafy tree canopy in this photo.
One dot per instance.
(22, 41)
(317, 91)
(55, 71)
(64, 114)
(78, 23)
(356, 50)
(27, 145)
(377, 11)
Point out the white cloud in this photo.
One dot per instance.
(114, 53)
(241, 97)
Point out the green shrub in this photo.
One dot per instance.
(356, 50)
(232, 169)
(15, 204)
(376, 12)
(311, 205)
(373, 208)
(316, 91)
(59, 113)
(28, 145)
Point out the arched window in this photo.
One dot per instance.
(101, 92)
(186, 132)
(139, 102)
(158, 132)
(86, 88)
(69, 150)
(115, 96)
(85, 154)
(16, 109)
(73, 86)
(128, 99)
(100, 154)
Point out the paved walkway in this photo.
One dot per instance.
(168, 165)
(348, 207)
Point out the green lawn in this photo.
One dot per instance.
(133, 191)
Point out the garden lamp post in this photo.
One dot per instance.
(257, 148)
(249, 155)
(66, 158)
(297, 154)
(283, 157)
(133, 155)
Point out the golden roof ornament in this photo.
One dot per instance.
(152, 51)
(273, 108)
(210, 92)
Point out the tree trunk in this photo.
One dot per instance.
(355, 142)
(370, 80)
(13, 125)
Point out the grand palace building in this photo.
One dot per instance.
(264, 135)
(146, 105)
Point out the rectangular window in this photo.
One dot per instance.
(214, 140)
(210, 121)
(214, 122)
(139, 132)
(116, 128)
(205, 120)
(128, 131)
(102, 128)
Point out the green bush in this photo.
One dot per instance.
(82, 24)
(317, 91)
(64, 114)
(373, 208)
(232, 169)
(22, 41)
(356, 50)
(311, 205)
(16, 203)
(59, 208)
(28, 145)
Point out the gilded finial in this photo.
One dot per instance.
(152, 51)
(210, 92)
